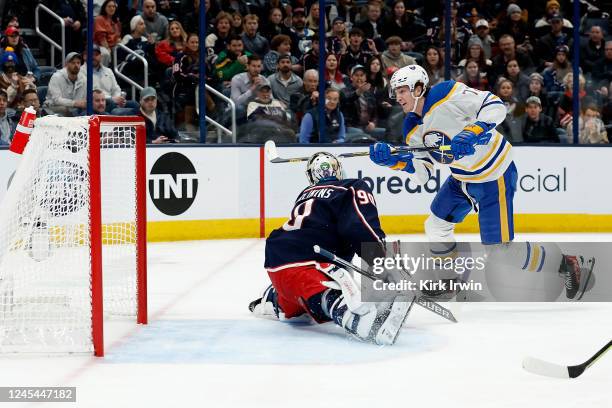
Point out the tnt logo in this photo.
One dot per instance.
(173, 183)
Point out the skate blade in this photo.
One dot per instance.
(586, 279)
(390, 329)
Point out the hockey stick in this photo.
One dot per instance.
(422, 301)
(541, 367)
(273, 157)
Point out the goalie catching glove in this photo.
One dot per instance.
(380, 153)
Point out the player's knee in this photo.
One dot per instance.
(439, 230)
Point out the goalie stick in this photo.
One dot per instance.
(545, 368)
(422, 301)
(272, 152)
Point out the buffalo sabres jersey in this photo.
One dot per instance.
(449, 107)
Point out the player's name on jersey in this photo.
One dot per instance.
(316, 193)
(428, 285)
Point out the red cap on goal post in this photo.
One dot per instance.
(23, 131)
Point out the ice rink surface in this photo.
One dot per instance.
(202, 348)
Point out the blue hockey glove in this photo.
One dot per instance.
(380, 153)
(463, 143)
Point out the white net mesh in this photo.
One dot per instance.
(45, 252)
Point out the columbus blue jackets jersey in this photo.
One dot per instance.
(336, 215)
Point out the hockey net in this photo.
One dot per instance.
(72, 232)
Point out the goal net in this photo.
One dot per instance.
(72, 235)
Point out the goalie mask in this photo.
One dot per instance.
(410, 76)
(323, 166)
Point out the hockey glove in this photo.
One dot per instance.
(380, 153)
(463, 143)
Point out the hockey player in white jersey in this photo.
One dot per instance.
(483, 175)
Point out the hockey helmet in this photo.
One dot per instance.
(322, 166)
(410, 76)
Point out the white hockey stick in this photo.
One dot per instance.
(541, 367)
(272, 152)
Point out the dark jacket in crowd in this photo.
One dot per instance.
(541, 131)
(162, 127)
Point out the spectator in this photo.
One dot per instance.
(75, 20)
(358, 51)
(371, 27)
(511, 127)
(507, 46)
(217, 41)
(312, 22)
(513, 24)
(167, 49)
(300, 33)
(538, 127)
(30, 98)
(159, 127)
(11, 81)
(542, 26)
(475, 51)
(536, 88)
(346, 10)
(99, 102)
(268, 114)
(591, 129)
(8, 121)
(191, 21)
(554, 74)
(376, 75)
(482, 33)
(25, 60)
(359, 106)
(547, 44)
(155, 23)
(402, 23)
(337, 39)
(333, 77)
(393, 56)
(186, 74)
(275, 26)
(105, 81)
(308, 97)
(280, 45)
(520, 81)
(566, 104)
(107, 29)
(334, 121)
(237, 22)
(244, 85)
(284, 82)
(310, 60)
(143, 46)
(592, 51)
(472, 76)
(231, 6)
(231, 61)
(253, 41)
(602, 73)
(434, 65)
(66, 91)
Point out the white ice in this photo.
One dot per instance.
(202, 348)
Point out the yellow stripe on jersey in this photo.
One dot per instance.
(485, 159)
(501, 159)
(450, 93)
(409, 135)
(534, 258)
(503, 210)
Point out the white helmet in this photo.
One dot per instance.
(409, 76)
(323, 165)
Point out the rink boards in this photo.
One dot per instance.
(232, 191)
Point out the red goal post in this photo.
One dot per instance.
(73, 235)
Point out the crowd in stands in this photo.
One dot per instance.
(264, 55)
